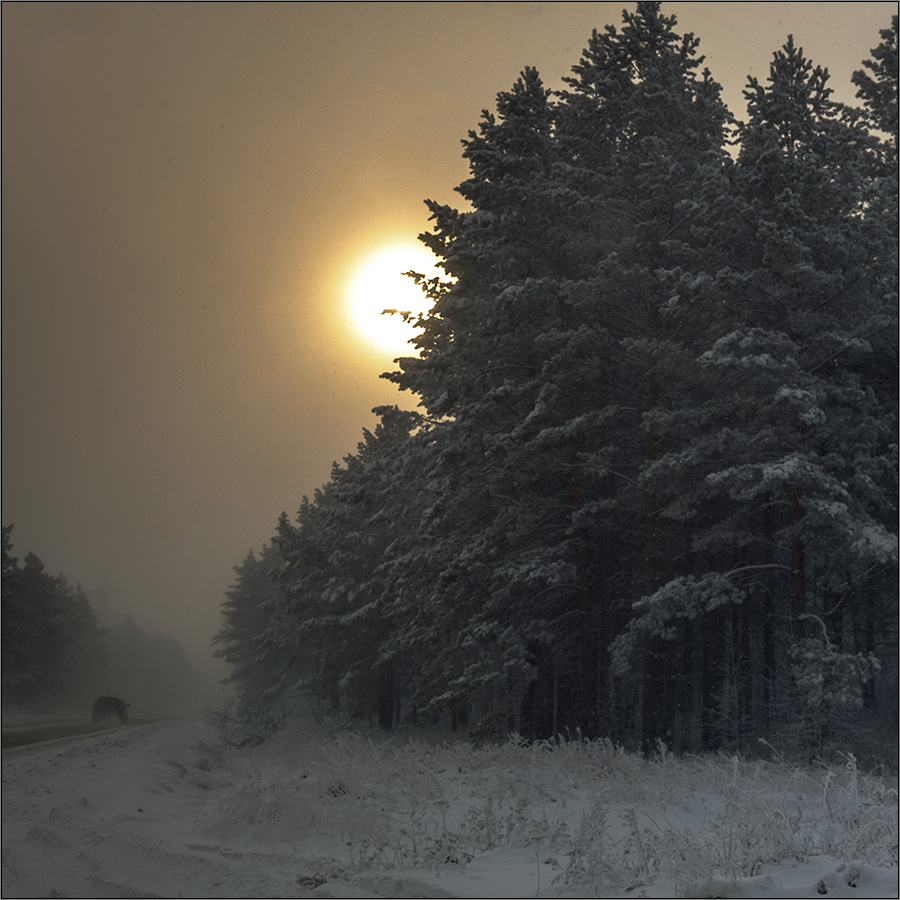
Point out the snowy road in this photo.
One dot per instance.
(31, 734)
(109, 815)
(127, 813)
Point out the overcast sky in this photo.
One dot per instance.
(187, 188)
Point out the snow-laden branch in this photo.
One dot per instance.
(817, 619)
(776, 567)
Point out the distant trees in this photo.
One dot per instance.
(56, 654)
(651, 492)
(53, 645)
(152, 672)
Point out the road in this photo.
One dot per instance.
(33, 733)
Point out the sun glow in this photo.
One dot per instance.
(380, 296)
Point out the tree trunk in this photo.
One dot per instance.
(587, 655)
(386, 703)
(798, 577)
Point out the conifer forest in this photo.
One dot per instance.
(646, 486)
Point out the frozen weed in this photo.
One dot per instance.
(608, 820)
(589, 861)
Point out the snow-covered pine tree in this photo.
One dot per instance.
(18, 628)
(787, 512)
(499, 558)
(371, 503)
(647, 129)
(263, 640)
(818, 303)
(878, 91)
(323, 624)
(877, 85)
(547, 350)
(241, 640)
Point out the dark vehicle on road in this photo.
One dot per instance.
(107, 709)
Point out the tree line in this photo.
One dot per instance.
(52, 642)
(648, 490)
(57, 655)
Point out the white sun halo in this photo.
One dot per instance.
(378, 284)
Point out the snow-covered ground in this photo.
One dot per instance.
(168, 810)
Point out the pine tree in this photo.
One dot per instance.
(879, 93)
(788, 509)
(309, 615)
(17, 627)
(648, 130)
(877, 84)
(246, 618)
(53, 646)
(482, 369)
(363, 511)
(549, 347)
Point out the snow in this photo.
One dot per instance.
(173, 810)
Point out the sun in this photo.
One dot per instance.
(378, 286)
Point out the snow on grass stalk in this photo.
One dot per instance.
(602, 819)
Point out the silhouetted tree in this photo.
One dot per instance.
(52, 642)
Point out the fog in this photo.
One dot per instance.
(186, 189)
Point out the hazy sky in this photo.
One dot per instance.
(187, 189)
